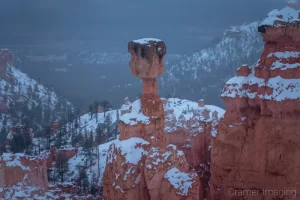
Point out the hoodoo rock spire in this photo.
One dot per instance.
(141, 165)
(147, 56)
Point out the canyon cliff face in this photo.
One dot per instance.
(191, 126)
(256, 152)
(17, 170)
(14, 167)
(141, 160)
(25, 177)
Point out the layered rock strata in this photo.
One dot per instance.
(141, 160)
(256, 152)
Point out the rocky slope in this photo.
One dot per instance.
(257, 146)
(25, 101)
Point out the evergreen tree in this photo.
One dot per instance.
(19, 88)
(21, 140)
(94, 181)
(96, 105)
(4, 122)
(106, 106)
(62, 135)
(91, 110)
(61, 165)
(100, 132)
(36, 88)
(6, 88)
(83, 179)
(77, 139)
(116, 129)
(109, 129)
(3, 136)
(47, 135)
(88, 149)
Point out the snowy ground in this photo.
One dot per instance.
(179, 106)
(79, 160)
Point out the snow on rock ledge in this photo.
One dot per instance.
(135, 169)
(277, 17)
(282, 24)
(146, 40)
(180, 181)
(132, 150)
(14, 167)
(133, 114)
(261, 122)
(275, 88)
(123, 169)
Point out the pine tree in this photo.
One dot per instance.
(83, 179)
(87, 148)
(3, 136)
(36, 88)
(4, 122)
(91, 110)
(106, 105)
(116, 130)
(94, 181)
(108, 126)
(47, 135)
(96, 105)
(19, 88)
(21, 141)
(100, 132)
(62, 137)
(6, 88)
(61, 165)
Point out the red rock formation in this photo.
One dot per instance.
(159, 167)
(147, 56)
(16, 167)
(141, 160)
(176, 182)
(66, 151)
(124, 171)
(256, 152)
(25, 177)
(192, 133)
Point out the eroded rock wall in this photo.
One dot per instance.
(257, 147)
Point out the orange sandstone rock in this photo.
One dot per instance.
(141, 159)
(14, 167)
(257, 146)
(124, 176)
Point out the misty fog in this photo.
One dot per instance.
(108, 25)
(70, 27)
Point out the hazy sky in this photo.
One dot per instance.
(112, 23)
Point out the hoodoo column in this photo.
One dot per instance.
(147, 63)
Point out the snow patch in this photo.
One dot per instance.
(180, 180)
(146, 40)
